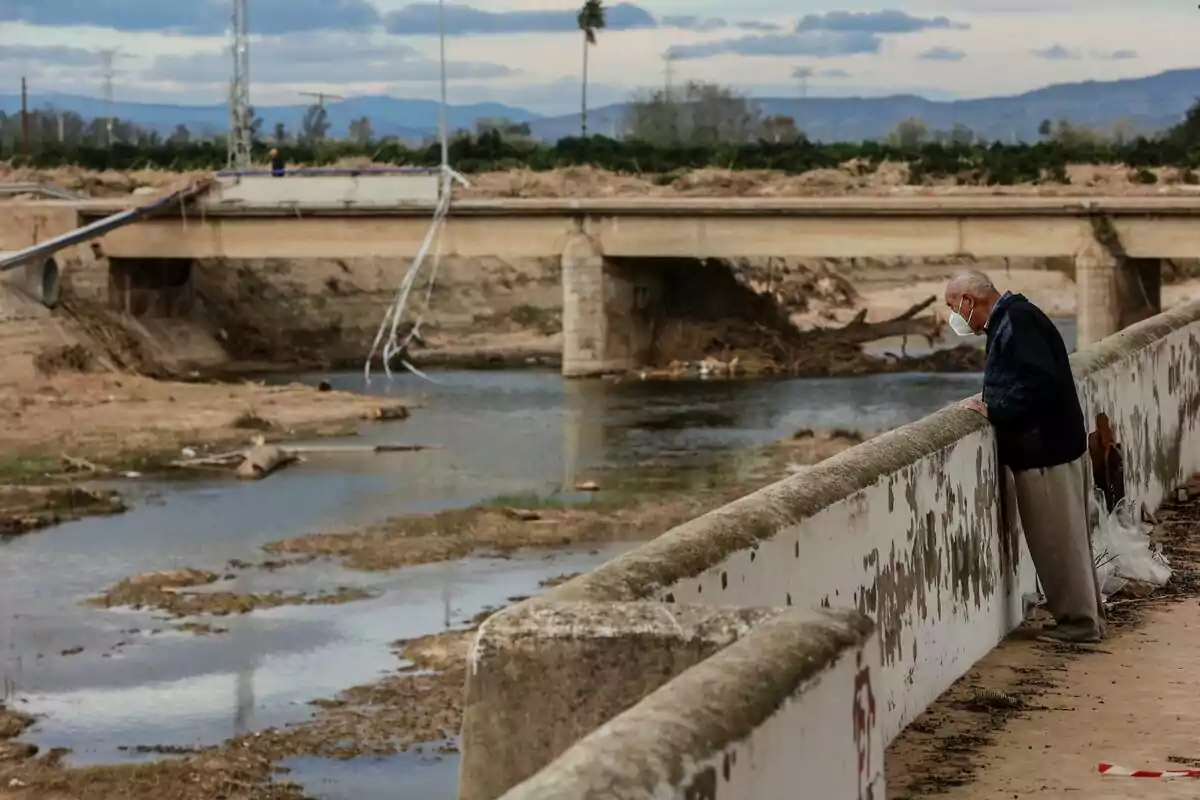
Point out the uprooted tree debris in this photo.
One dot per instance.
(261, 459)
(772, 345)
(751, 317)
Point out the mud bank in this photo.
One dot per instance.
(60, 433)
(213, 316)
(420, 704)
(167, 591)
(26, 508)
(169, 318)
(115, 421)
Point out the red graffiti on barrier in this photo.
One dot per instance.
(864, 723)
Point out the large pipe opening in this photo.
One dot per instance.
(38, 279)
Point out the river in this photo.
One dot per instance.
(139, 682)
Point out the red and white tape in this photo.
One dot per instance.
(1112, 770)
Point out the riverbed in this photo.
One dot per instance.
(138, 681)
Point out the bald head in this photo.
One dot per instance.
(972, 294)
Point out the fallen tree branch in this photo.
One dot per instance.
(358, 448)
(261, 461)
(858, 331)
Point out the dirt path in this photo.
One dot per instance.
(1136, 703)
(1037, 719)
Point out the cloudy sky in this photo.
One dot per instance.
(528, 52)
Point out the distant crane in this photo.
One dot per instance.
(322, 96)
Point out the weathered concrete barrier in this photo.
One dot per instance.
(908, 529)
(760, 718)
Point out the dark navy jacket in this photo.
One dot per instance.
(1028, 388)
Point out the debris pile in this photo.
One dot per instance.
(1126, 560)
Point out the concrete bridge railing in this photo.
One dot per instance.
(677, 639)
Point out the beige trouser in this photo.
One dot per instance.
(1053, 504)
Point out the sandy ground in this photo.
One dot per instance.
(63, 431)
(1037, 719)
(848, 179)
(123, 415)
(1133, 703)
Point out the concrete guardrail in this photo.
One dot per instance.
(678, 671)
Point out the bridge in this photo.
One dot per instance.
(606, 246)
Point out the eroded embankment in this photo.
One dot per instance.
(66, 429)
(779, 316)
(775, 315)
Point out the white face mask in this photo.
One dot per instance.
(960, 324)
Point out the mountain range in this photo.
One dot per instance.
(1148, 104)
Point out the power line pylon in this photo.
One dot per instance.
(240, 134)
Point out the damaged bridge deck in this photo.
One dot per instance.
(916, 227)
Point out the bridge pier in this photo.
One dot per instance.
(1114, 293)
(608, 312)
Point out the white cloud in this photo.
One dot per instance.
(327, 58)
(542, 70)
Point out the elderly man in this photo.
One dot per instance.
(1029, 397)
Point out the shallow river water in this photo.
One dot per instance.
(138, 682)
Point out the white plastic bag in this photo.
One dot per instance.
(1123, 550)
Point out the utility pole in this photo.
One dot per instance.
(107, 59)
(443, 130)
(24, 117)
(802, 74)
(668, 74)
(240, 134)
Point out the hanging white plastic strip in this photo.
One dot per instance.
(388, 328)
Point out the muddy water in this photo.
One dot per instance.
(138, 681)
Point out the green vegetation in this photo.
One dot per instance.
(27, 469)
(545, 320)
(667, 132)
(530, 501)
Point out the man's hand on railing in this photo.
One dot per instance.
(975, 403)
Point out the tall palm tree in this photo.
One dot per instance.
(590, 19)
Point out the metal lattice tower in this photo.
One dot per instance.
(239, 90)
(106, 57)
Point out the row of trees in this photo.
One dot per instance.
(693, 126)
(697, 114)
(67, 131)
